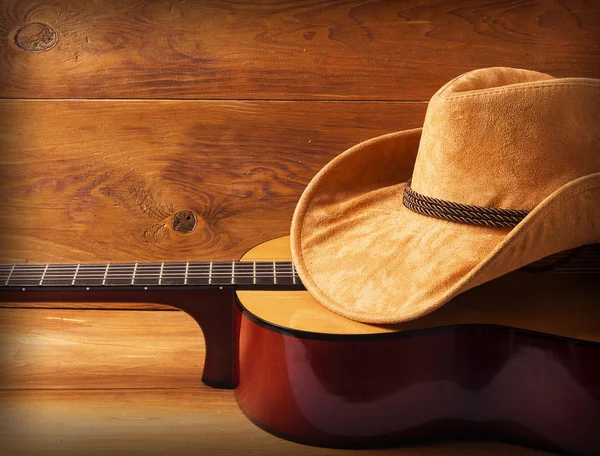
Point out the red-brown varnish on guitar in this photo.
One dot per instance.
(517, 359)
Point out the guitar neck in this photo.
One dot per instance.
(242, 275)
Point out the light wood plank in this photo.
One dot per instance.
(359, 50)
(86, 306)
(85, 181)
(62, 349)
(195, 422)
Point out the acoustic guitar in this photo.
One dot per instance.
(516, 359)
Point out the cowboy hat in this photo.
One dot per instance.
(505, 171)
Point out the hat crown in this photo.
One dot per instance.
(508, 138)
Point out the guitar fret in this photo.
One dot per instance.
(105, 274)
(162, 267)
(254, 272)
(75, 275)
(187, 268)
(210, 274)
(10, 274)
(293, 273)
(232, 272)
(135, 266)
(43, 274)
(274, 274)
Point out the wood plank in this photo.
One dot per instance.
(85, 181)
(175, 422)
(351, 50)
(61, 349)
(86, 306)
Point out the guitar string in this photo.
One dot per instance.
(147, 271)
(149, 265)
(149, 276)
(220, 269)
(172, 270)
(165, 270)
(195, 275)
(593, 259)
(127, 268)
(175, 266)
(84, 268)
(112, 274)
(138, 272)
(170, 267)
(130, 271)
(52, 271)
(122, 276)
(239, 270)
(138, 277)
(16, 281)
(222, 272)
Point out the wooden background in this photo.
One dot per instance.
(226, 109)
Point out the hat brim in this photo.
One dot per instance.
(365, 256)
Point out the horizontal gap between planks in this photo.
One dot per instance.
(269, 100)
(132, 308)
(185, 388)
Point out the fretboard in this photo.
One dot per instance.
(245, 275)
(242, 275)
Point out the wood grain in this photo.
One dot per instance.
(67, 349)
(195, 422)
(351, 50)
(84, 181)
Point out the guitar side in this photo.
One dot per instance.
(355, 385)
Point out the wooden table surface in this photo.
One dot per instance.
(116, 115)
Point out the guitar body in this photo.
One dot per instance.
(514, 360)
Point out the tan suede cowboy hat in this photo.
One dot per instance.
(505, 171)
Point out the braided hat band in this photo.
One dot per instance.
(462, 213)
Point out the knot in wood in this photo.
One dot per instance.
(184, 221)
(36, 37)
